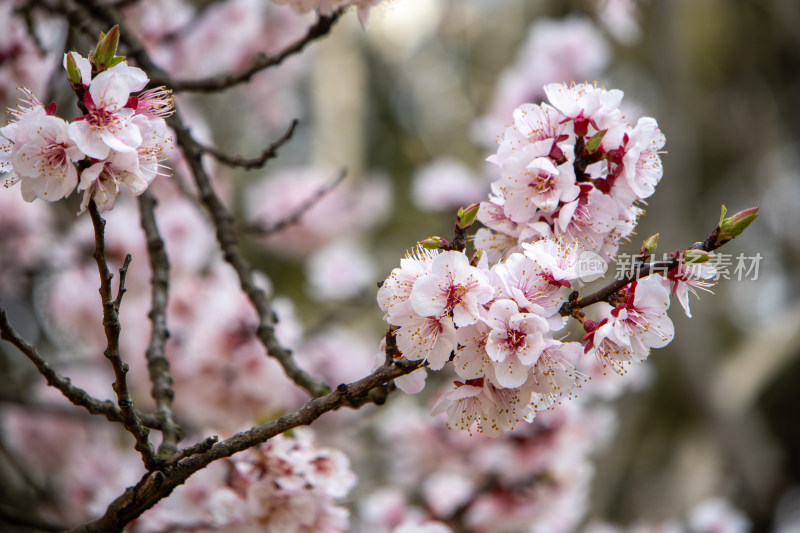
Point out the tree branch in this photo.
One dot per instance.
(75, 395)
(112, 329)
(155, 486)
(320, 28)
(157, 362)
(575, 302)
(269, 152)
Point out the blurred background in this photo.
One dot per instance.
(408, 107)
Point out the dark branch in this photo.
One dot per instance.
(123, 273)
(321, 28)
(603, 295)
(155, 486)
(112, 329)
(195, 449)
(75, 395)
(269, 152)
(157, 363)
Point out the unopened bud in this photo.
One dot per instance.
(594, 142)
(694, 256)
(435, 243)
(106, 50)
(73, 72)
(476, 258)
(650, 244)
(467, 216)
(733, 226)
(722, 214)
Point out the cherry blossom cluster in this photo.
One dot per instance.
(287, 485)
(118, 142)
(498, 324)
(573, 169)
(571, 176)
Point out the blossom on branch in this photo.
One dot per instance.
(120, 140)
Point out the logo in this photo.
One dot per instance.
(591, 267)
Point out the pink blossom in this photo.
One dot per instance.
(514, 343)
(554, 375)
(431, 338)
(108, 126)
(586, 104)
(643, 169)
(686, 278)
(559, 263)
(471, 360)
(642, 320)
(535, 185)
(101, 181)
(603, 342)
(538, 131)
(43, 157)
(453, 287)
(589, 219)
(496, 245)
(492, 213)
(480, 405)
(395, 292)
(528, 283)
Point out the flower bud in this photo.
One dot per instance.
(106, 51)
(73, 72)
(467, 216)
(733, 226)
(435, 243)
(594, 142)
(650, 244)
(694, 256)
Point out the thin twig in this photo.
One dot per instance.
(123, 273)
(112, 329)
(201, 447)
(269, 152)
(75, 395)
(302, 209)
(575, 302)
(157, 362)
(320, 28)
